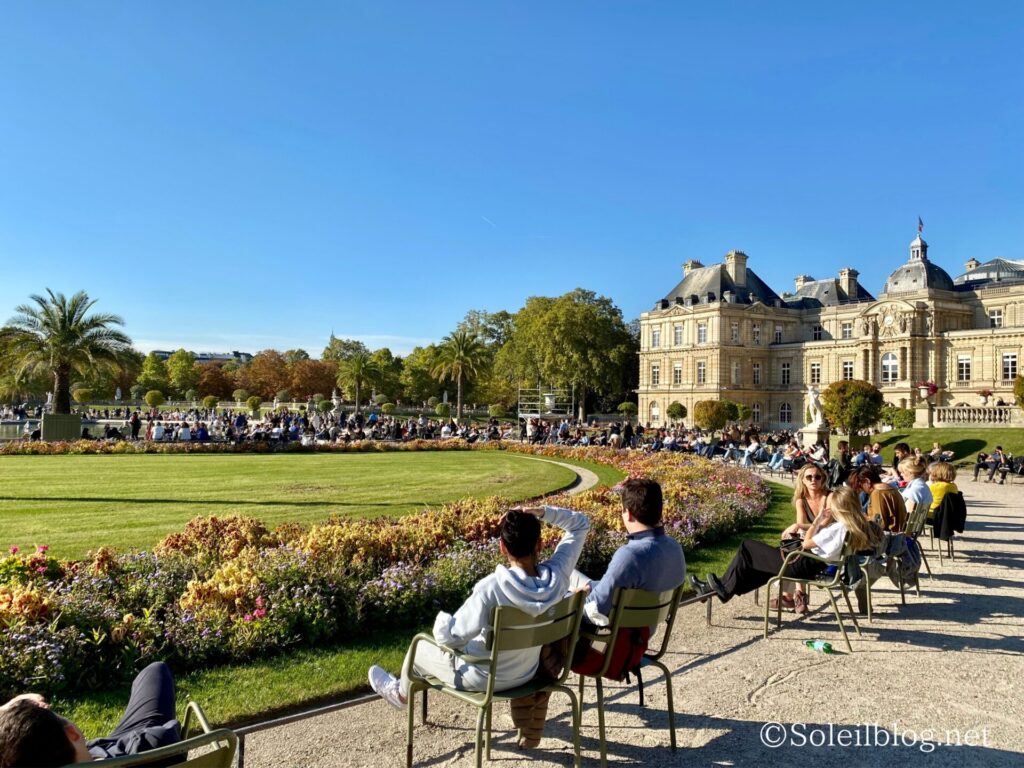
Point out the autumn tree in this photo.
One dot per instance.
(212, 379)
(313, 376)
(711, 414)
(852, 405)
(265, 375)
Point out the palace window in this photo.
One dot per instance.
(784, 373)
(735, 372)
(702, 372)
(702, 333)
(778, 334)
(755, 413)
(755, 333)
(677, 374)
(995, 318)
(655, 413)
(847, 330)
(817, 332)
(1009, 366)
(655, 338)
(734, 331)
(815, 373)
(677, 336)
(786, 413)
(655, 375)
(755, 372)
(890, 368)
(847, 370)
(963, 368)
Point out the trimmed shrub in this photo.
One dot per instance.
(82, 395)
(154, 398)
(325, 406)
(239, 395)
(210, 402)
(432, 402)
(676, 411)
(443, 410)
(628, 409)
(496, 411)
(254, 403)
(387, 408)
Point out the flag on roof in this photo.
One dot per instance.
(920, 225)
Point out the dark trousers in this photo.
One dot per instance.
(148, 721)
(756, 562)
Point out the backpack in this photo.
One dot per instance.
(630, 646)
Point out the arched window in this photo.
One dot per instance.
(890, 368)
(786, 413)
(755, 413)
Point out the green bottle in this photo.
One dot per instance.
(819, 645)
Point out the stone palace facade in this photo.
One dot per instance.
(723, 333)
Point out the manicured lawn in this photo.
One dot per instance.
(965, 442)
(241, 693)
(78, 503)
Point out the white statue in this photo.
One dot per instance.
(814, 405)
(117, 395)
(275, 403)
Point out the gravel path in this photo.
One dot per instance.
(951, 660)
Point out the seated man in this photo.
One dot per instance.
(650, 559)
(33, 735)
(524, 583)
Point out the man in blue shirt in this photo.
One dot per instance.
(650, 559)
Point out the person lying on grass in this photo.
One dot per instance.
(525, 583)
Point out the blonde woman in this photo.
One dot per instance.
(809, 494)
(912, 469)
(756, 562)
(941, 478)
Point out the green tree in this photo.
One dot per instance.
(388, 378)
(82, 395)
(711, 414)
(354, 373)
(1018, 390)
(443, 410)
(496, 411)
(253, 404)
(676, 411)
(210, 402)
(342, 349)
(154, 398)
(576, 340)
(418, 383)
(460, 357)
(137, 391)
(181, 372)
(293, 356)
(387, 409)
(240, 395)
(57, 336)
(852, 405)
(743, 412)
(627, 409)
(154, 373)
(898, 418)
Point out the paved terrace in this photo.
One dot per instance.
(951, 660)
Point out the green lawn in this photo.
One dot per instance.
(965, 442)
(236, 694)
(78, 503)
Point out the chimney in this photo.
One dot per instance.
(801, 279)
(848, 282)
(972, 263)
(691, 265)
(736, 266)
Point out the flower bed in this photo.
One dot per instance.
(230, 589)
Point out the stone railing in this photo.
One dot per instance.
(980, 416)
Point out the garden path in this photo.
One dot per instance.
(952, 659)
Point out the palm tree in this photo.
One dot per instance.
(461, 356)
(356, 370)
(58, 338)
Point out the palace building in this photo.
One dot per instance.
(723, 333)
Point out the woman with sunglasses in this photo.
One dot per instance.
(756, 562)
(809, 494)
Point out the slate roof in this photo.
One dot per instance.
(715, 280)
(916, 275)
(994, 271)
(824, 293)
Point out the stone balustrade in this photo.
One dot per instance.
(977, 416)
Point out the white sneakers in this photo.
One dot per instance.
(386, 686)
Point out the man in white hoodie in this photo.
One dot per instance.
(524, 583)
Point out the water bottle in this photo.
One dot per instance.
(819, 645)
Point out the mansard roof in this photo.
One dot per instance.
(710, 284)
(824, 293)
(991, 272)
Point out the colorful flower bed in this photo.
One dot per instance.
(230, 589)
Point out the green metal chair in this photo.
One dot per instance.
(223, 743)
(513, 630)
(831, 584)
(916, 521)
(635, 608)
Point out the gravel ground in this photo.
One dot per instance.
(946, 667)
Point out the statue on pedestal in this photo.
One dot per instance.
(814, 406)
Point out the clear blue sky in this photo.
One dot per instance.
(238, 175)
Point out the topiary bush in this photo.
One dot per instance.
(676, 411)
(154, 398)
(443, 410)
(240, 395)
(325, 406)
(432, 402)
(210, 402)
(628, 409)
(254, 403)
(387, 409)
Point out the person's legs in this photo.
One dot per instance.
(992, 466)
(151, 702)
(433, 662)
(753, 565)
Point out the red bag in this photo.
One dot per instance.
(630, 646)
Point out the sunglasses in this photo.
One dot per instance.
(814, 477)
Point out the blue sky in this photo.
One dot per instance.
(240, 175)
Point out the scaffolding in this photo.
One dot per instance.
(546, 402)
